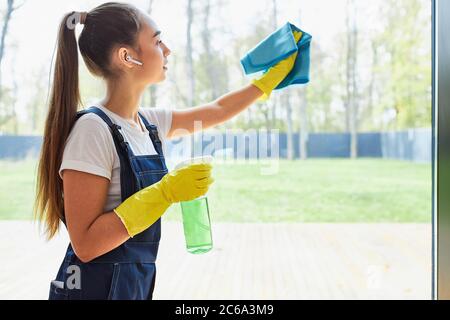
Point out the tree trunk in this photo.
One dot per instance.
(189, 60)
(352, 86)
(303, 113)
(209, 55)
(152, 90)
(355, 101)
(9, 11)
(371, 89)
(274, 99)
(8, 113)
(290, 132)
(303, 116)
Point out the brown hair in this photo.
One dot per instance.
(107, 26)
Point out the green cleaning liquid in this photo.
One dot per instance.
(197, 225)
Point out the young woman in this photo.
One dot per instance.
(102, 170)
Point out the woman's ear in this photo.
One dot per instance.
(121, 57)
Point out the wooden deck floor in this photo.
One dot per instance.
(252, 261)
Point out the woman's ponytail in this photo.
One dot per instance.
(62, 109)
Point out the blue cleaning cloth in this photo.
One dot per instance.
(276, 47)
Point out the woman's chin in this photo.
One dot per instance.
(161, 79)
(163, 76)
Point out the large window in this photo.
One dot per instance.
(323, 192)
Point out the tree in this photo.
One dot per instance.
(211, 67)
(303, 119)
(7, 111)
(274, 100)
(351, 82)
(189, 59)
(320, 93)
(404, 67)
(36, 107)
(152, 90)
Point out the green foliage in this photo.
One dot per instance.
(320, 92)
(406, 63)
(397, 92)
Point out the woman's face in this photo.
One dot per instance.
(153, 54)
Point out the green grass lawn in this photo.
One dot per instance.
(302, 191)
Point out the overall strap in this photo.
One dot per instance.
(122, 148)
(114, 127)
(153, 130)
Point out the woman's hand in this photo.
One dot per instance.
(275, 75)
(146, 206)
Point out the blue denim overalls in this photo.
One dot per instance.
(127, 272)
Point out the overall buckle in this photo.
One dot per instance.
(119, 136)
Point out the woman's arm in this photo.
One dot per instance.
(92, 232)
(214, 113)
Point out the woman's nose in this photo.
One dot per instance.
(166, 51)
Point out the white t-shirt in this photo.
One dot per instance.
(90, 146)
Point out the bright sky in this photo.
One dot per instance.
(34, 27)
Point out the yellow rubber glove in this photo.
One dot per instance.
(146, 206)
(275, 75)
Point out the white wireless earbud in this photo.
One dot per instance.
(129, 58)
